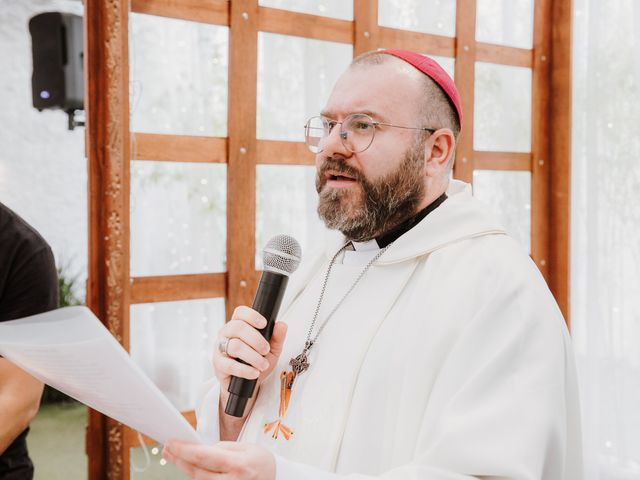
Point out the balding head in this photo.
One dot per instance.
(434, 108)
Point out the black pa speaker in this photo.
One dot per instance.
(57, 46)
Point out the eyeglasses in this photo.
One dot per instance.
(356, 131)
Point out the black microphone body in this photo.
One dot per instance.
(266, 302)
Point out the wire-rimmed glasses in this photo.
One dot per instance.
(356, 131)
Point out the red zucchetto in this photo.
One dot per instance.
(433, 70)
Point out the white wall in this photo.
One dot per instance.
(43, 173)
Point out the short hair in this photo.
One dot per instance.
(437, 109)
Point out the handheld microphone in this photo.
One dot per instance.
(281, 258)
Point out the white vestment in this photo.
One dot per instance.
(449, 360)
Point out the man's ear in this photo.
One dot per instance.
(439, 149)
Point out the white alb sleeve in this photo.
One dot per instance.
(208, 425)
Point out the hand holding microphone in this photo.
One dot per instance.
(244, 342)
(251, 342)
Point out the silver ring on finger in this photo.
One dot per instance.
(223, 345)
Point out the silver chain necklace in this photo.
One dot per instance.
(301, 363)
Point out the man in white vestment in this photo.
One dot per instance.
(421, 341)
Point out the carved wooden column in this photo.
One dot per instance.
(107, 137)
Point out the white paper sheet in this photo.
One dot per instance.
(73, 352)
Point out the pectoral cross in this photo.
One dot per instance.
(300, 363)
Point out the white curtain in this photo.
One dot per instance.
(606, 233)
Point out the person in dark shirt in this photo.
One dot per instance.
(28, 286)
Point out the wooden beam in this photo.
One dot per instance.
(417, 41)
(465, 80)
(277, 152)
(560, 175)
(366, 36)
(517, 57)
(304, 25)
(215, 12)
(178, 148)
(541, 133)
(131, 436)
(511, 161)
(107, 132)
(241, 171)
(171, 288)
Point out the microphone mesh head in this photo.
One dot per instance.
(282, 255)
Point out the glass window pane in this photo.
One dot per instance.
(147, 464)
(178, 76)
(295, 78)
(173, 341)
(178, 218)
(502, 113)
(505, 22)
(427, 16)
(509, 194)
(327, 8)
(286, 202)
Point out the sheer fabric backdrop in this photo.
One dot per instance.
(606, 233)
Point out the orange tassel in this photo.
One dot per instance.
(286, 382)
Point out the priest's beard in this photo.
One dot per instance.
(371, 207)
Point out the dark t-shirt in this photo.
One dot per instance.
(28, 285)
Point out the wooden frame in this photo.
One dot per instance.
(559, 136)
(111, 290)
(539, 133)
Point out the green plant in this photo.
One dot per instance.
(66, 287)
